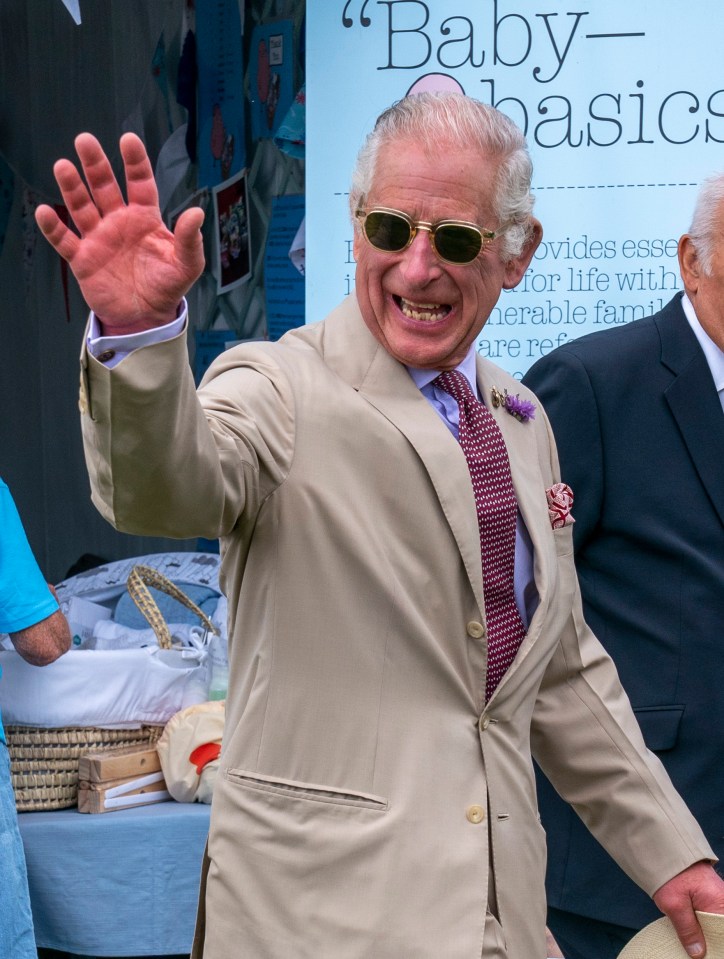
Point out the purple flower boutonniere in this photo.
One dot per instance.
(522, 410)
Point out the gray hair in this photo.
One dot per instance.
(705, 222)
(453, 118)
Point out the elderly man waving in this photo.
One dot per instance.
(406, 627)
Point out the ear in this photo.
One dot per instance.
(356, 241)
(689, 264)
(516, 267)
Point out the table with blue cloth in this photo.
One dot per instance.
(123, 883)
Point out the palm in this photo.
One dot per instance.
(131, 269)
(127, 267)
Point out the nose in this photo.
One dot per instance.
(419, 264)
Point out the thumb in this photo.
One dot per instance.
(689, 932)
(189, 243)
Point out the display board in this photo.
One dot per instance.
(622, 104)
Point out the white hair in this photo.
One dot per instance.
(705, 229)
(458, 120)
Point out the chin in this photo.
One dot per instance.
(425, 354)
(424, 360)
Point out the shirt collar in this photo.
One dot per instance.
(468, 368)
(714, 356)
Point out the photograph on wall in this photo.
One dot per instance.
(231, 225)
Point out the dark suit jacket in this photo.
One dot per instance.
(640, 433)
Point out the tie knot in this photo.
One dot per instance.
(454, 383)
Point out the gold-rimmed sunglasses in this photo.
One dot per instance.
(453, 241)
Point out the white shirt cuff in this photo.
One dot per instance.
(110, 350)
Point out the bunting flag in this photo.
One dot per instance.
(73, 8)
(291, 135)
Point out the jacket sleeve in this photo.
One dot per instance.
(586, 739)
(167, 460)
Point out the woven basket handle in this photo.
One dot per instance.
(139, 579)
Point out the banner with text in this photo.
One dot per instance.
(623, 107)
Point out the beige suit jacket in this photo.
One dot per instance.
(365, 790)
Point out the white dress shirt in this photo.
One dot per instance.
(714, 356)
(110, 350)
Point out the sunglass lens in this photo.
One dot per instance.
(458, 244)
(387, 231)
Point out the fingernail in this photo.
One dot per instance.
(695, 949)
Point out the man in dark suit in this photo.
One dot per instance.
(638, 415)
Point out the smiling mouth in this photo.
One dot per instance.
(425, 312)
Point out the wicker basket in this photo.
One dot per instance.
(44, 762)
(139, 579)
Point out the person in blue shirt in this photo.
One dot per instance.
(29, 613)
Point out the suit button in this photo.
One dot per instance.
(106, 356)
(484, 723)
(475, 630)
(475, 814)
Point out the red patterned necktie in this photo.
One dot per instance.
(497, 507)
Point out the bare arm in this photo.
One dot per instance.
(131, 269)
(45, 641)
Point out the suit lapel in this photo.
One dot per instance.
(391, 390)
(693, 400)
(354, 353)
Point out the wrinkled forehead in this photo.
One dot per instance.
(434, 149)
(410, 174)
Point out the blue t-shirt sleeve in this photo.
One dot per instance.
(24, 595)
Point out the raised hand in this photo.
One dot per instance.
(131, 269)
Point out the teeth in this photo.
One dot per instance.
(423, 311)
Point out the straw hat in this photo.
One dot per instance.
(658, 940)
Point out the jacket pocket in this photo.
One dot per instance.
(563, 538)
(307, 792)
(659, 726)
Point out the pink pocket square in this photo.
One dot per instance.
(560, 503)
